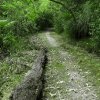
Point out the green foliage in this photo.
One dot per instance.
(76, 21)
(9, 40)
(3, 23)
(79, 20)
(22, 17)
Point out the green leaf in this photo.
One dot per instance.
(3, 23)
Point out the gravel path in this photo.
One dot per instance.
(64, 80)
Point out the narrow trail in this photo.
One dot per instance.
(64, 80)
(51, 40)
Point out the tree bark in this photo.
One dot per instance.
(30, 88)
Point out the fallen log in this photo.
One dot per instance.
(30, 88)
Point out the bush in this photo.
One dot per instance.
(22, 18)
(58, 26)
(79, 30)
(9, 40)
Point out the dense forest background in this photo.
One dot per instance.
(76, 20)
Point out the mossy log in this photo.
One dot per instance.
(30, 88)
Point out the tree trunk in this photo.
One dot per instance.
(31, 87)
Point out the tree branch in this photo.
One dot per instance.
(69, 10)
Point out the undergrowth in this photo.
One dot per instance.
(14, 66)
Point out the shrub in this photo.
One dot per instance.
(9, 40)
(79, 30)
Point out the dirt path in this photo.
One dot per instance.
(51, 40)
(64, 79)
